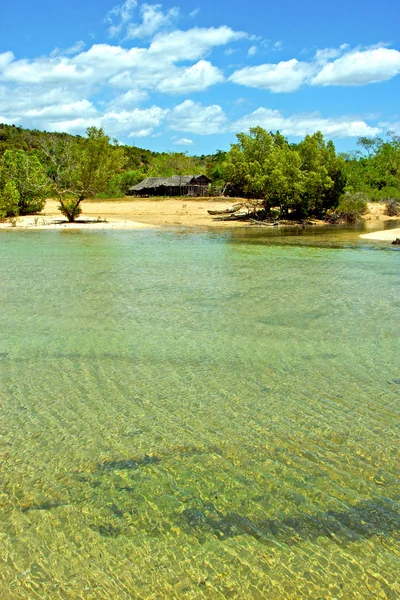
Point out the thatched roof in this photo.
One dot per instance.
(157, 182)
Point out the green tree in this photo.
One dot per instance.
(80, 169)
(284, 182)
(323, 174)
(299, 179)
(26, 173)
(9, 198)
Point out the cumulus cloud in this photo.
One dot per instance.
(286, 76)
(252, 51)
(84, 108)
(194, 13)
(133, 123)
(198, 77)
(5, 59)
(301, 124)
(194, 117)
(184, 142)
(105, 64)
(330, 66)
(119, 16)
(130, 99)
(192, 44)
(360, 67)
(153, 19)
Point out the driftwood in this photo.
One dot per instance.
(264, 223)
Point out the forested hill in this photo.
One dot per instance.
(13, 137)
(138, 162)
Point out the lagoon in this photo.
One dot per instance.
(198, 414)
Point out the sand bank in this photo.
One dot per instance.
(388, 235)
(52, 222)
(133, 213)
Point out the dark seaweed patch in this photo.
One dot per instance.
(43, 506)
(116, 511)
(128, 463)
(364, 520)
(107, 530)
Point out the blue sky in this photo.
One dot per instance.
(187, 76)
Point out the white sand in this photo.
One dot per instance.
(39, 222)
(388, 235)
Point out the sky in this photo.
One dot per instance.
(187, 75)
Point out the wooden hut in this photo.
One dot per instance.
(177, 185)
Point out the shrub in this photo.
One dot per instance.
(392, 208)
(351, 206)
(70, 209)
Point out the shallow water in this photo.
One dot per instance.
(198, 415)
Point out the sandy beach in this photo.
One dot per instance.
(387, 235)
(134, 213)
(130, 213)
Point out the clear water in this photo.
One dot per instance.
(198, 415)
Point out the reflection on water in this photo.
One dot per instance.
(199, 415)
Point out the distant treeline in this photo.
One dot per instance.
(302, 179)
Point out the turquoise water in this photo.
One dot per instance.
(198, 415)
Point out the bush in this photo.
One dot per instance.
(386, 194)
(70, 209)
(392, 208)
(351, 206)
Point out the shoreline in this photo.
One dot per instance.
(51, 222)
(150, 213)
(385, 235)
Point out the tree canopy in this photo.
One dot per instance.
(302, 179)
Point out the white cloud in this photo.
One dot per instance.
(129, 99)
(153, 19)
(330, 66)
(194, 117)
(252, 51)
(286, 76)
(119, 16)
(5, 59)
(184, 142)
(360, 67)
(84, 108)
(111, 65)
(390, 127)
(134, 122)
(141, 133)
(301, 124)
(325, 54)
(184, 80)
(194, 13)
(24, 98)
(76, 48)
(192, 44)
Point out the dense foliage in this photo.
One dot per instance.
(308, 178)
(375, 168)
(302, 179)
